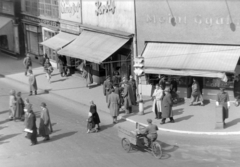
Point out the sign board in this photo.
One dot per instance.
(70, 10)
(195, 21)
(112, 14)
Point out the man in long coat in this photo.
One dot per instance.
(32, 83)
(107, 86)
(132, 82)
(44, 124)
(113, 104)
(127, 98)
(167, 104)
(27, 62)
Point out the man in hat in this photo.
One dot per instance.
(162, 82)
(32, 83)
(107, 86)
(127, 100)
(45, 122)
(151, 133)
(114, 104)
(167, 104)
(133, 85)
(27, 62)
(223, 99)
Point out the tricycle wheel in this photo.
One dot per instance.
(156, 150)
(126, 145)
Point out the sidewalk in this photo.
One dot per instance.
(188, 119)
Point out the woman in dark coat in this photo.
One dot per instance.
(31, 125)
(167, 104)
(223, 99)
(95, 116)
(32, 83)
(19, 106)
(44, 124)
(113, 105)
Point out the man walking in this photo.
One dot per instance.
(32, 83)
(45, 122)
(107, 86)
(132, 82)
(167, 104)
(27, 62)
(113, 104)
(127, 98)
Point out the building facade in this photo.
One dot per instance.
(9, 27)
(202, 29)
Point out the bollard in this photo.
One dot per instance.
(219, 124)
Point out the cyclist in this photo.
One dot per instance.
(150, 133)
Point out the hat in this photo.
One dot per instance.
(29, 107)
(167, 90)
(12, 92)
(30, 71)
(149, 120)
(43, 104)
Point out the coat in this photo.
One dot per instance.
(223, 99)
(133, 86)
(89, 79)
(19, 108)
(157, 102)
(167, 106)
(127, 97)
(95, 116)
(107, 86)
(32, 83)
(113, 104)
(31, 124)
(44, 123)
(27, 61)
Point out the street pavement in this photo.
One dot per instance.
(188, 119)
(71, 146)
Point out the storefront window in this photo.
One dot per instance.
(32, 39)
(51, 53)
(4, 42)
(216, 82)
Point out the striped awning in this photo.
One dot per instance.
(196, 59)
(93, 46)
(58, 41)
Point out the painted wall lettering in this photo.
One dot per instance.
(70, 10)
(103, 9)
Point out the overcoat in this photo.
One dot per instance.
(126, 96)
(133, 84)
(19, 108)
(223, 98)
(167, 106)
(31, 124)
(32, 82)
(95, 116)
(107, 86)
(113, 104)
(157, 102)
(131, 93)
(44, 123)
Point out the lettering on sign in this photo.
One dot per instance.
(109, 7)
(198, 19)
(47, 22)
(70, 8)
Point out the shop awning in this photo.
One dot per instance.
(92, 46)
(58, 41)
(192, 59)
(3, 22)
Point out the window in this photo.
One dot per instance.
(28, 6)
(3, 42)
(49, 8)
(31, 7)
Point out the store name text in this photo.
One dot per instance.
(103, 9)
(47, 22)
(70, 8)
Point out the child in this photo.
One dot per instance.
(90, 123)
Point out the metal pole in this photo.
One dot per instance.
(141, 107)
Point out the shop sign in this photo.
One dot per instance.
(101, 8)
(43, 21)
(7, 7)
(70, 28)
(31, 28)
(112, 14)
(70, 10)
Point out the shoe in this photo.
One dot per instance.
(162, 123)
(172, 121)
(46, 139)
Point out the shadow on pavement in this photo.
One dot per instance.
(68, 88)
(183, 118)
(56, 131)
(3, 112)
(60, 80)
(232, 123)
(3, 122)
(147, 107)
(39, 74)
(6, 137)
(63, 135)
(178, 111)
(2, 127)
(167, 149)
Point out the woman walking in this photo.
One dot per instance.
(157, 101)
(19, 107)
(12, 105)
(95, 116)
(44, 130)
(48, 69)
(114, 104)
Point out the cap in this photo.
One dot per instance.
(43, 104)
(149, 120)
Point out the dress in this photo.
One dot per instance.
(113, 104)
(19, 108)
(44, 123)
(223, 99)
(95, 116)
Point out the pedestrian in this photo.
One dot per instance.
(130, 90)
(90, 122)
(44, 123)
(173, 85)
(19, 107)
(27, 62)
(157, 101)
(127, 98)
(223, 99)
(95, 116)
(89, 79)
(116, 77)
(196, 94)
(236, 90)
(32, 83)
(26, 104)
(48, 69)
(113, 104)
(133, 84)
(12, 105)
(45, 56)
(162, 82)
(167, 104)
(107, 86)
(31, 127)
(61, 66)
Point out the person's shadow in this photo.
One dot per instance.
(232, 123)
(183, 118)
(6, 137)
(60, 136)
(3, 122)
(104, 127)
(178, 111)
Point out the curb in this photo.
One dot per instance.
(132, 121)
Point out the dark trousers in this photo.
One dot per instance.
(164, 119)
(157, 114)
(34, 92)
(26, 69)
